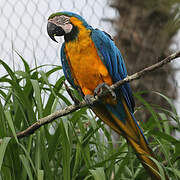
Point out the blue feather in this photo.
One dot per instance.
(112, 59)
(66, 68)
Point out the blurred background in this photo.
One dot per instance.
(145, 32)
(23, 26)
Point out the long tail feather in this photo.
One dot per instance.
(132, 132)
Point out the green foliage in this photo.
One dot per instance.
(77, 146)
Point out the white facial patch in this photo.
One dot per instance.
(67, 28)
(63, 22)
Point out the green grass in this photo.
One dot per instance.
(75, 147)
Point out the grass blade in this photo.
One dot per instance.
(38, 97)
(40, 174)
(11, 125)
(98, 174)
(26, 165)
(3, 146)
(66, 150)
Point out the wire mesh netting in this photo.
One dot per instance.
(23, 27)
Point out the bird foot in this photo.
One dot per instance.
(88, 99)
(103, 87)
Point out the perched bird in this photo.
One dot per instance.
(91, 63)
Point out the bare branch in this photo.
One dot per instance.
(147, 70)
(72, 108)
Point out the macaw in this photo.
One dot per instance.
(92, 63)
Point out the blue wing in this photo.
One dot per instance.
(112, 59)
(66, 68)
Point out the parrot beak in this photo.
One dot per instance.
(54, 30)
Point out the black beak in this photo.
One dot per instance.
(54, 30)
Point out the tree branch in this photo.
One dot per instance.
(72, 108)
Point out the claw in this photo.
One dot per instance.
(88, 99)
(104, 87)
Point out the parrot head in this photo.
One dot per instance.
(65, 24)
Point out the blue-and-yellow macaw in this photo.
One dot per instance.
(91, 63)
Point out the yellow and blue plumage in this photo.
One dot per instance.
(90, 58)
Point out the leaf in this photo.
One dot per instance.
(165, 123)
(2, 121)
(16, 88)
(64, 99)
(40, 174)
(52, 96)
(26, 166)
(3, 146)
(66, 150)
(176, 156)
(47, 74)
(26, 65)
(44, 65)
(38, 97)
(8, 69)
(38, 154)
(54, 142)
(165, 136)
(149, 107)
(28, 157)
(22, 73)
(98, 174)
(161, 171)
(77, 160)
(176, 172)
(11, 125)
(168, 100)
(44, 154)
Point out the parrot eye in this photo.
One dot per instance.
(63, 20)
(66, 21)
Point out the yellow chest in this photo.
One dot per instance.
(86, 66)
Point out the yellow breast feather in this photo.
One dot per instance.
(86, 66)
